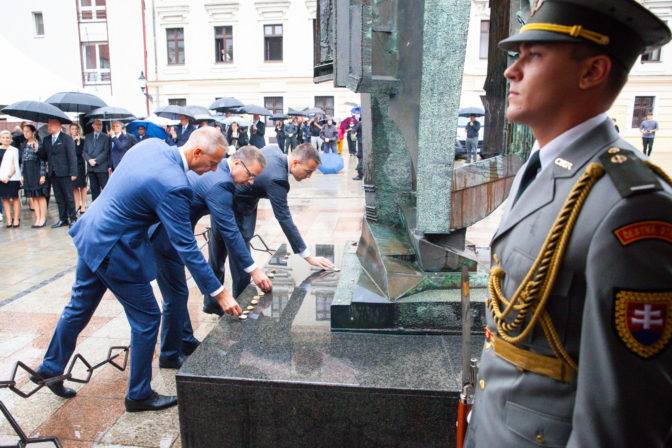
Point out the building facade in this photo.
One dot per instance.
(258, 51)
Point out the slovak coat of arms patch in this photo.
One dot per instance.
(643, 321)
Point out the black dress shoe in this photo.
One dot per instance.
(357, 178)
(172, 363)
(188, 348)
(57, 388)
(154, 402)
(72, 222)
(59, 224)
(213, 309)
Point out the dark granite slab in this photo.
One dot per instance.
(281, 378)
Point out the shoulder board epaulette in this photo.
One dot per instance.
(628, 172)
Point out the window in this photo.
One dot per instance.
(175, 43)
(92, 10)
(39, 23)
(177, 101)
(223, 44)
(326, 103)
(274, 104)
(652, 56)
(485, 39)
(96, 63)
(272, 42)
(643, 106)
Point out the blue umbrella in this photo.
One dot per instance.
(152, 130)
(331, 163)
(355, 110)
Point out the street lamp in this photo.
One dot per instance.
(142, 82)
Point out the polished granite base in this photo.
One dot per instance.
(282, 378)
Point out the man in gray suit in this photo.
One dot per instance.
(97, 147)
(272, 184)
(577, 350)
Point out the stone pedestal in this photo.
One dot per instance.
(281, 378)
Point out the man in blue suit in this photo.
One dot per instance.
(257, 132)
(115, 253)
(273, 184)
(213, 195)
(180, 134)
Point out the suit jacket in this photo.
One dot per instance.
(602, 405)
(213, 195)
(273, 184)
(61, 155)
(183, 137)
(99, 151)
(120, 144)
(257, 138)
(114, 228)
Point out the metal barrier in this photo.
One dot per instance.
(41, 382)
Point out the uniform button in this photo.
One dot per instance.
(540, 438)
(481, 384)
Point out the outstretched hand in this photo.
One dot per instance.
(228, 303)
(261, 280)
(320, 262)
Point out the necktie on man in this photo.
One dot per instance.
(95, 138)
(531, 170)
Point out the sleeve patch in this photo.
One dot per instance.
(644, 230)
(643, 321)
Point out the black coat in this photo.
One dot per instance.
(61, 156)
(257, 138)
(100, 151)
(242, 137)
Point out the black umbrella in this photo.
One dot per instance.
(36, 111)
(469, 111)
(111, 113)
(79, 102)
(198, 110)
(295, 112)
(278, 117)
(173, 112)
(226, 104)
(254, 110)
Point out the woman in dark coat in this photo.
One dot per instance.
(34, 176)
(280, 134)
(79, 184)
(236, 136)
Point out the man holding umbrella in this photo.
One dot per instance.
(58, 150)
(472, 128)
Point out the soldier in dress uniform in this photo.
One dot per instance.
(577, 349)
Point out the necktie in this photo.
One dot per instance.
(95, 138)
(53, 140)
(531, 169)
(184, 128)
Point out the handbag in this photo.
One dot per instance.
(353, 136)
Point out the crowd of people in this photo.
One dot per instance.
(73, 164)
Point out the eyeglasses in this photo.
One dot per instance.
(252, 176)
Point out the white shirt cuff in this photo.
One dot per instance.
(305, 253)
(218, 291)
(250, 268)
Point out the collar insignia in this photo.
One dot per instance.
(562, 163)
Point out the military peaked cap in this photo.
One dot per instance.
(623, 28)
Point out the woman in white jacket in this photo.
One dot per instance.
(10, 180)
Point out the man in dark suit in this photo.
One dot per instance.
(257, 131)
(115, 253)
(181, 133)
(97, 146)
(213, 195)
(272, 184)
(58, 149)
(121, 142)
